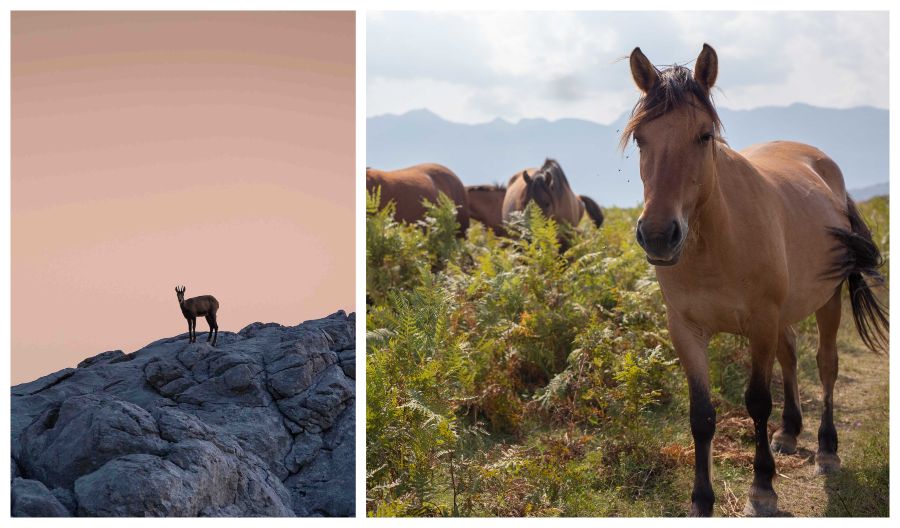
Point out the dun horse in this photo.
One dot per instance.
(202, 306)
(410, 186)
(486, 205)
(549, 189)
(748, 243)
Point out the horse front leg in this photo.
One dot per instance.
(762, 499)
(691, 346)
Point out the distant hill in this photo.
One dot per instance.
(860, 195)
(857, 138)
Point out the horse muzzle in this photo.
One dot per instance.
(662, 246)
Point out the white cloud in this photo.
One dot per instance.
(474, 67)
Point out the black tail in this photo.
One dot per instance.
(858, 260)
(593, 210)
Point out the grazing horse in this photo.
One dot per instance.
(548, 188)
(486, 205)
(748, 243)
(410, 186)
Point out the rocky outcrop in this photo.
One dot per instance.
(261, 425)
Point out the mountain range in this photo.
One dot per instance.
(856, 138)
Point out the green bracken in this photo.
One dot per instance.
(505, 377)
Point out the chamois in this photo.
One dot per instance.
(202, 306)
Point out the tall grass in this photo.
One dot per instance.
(505, 377)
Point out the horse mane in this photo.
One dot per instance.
(551, 167)
(674, 87)
(487, 187)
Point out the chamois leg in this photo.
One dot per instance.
(828, 319)
(785, 439)
(193, 329)
(762, 499)
(692, 354)
(211, 321)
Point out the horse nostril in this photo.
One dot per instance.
(639, 234)
(675, 236)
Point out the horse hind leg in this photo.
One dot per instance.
(828, 319)
(785, 439)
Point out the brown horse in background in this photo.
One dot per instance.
(549, 189)
(486, 206)
(410, 186)
(748, 243)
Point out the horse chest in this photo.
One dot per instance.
(712, 305)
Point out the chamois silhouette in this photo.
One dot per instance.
(202, 306)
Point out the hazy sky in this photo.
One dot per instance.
(475, 67)
(214, 150)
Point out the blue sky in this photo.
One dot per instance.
(475, 67)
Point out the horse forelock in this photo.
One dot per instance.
(675, 87)
(552, 168)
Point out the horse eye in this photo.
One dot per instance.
(706, 138)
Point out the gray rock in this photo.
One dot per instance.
(66, 498)
(195, 478)
(83, 434)
(325, 487)
(347, 361)
(30, 498)
(112, 356)
(261, 425)
(315, 409)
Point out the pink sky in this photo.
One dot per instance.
(214, 150)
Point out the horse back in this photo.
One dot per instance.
(790, 164)
(410, 186)
(406, 188)
(807, 198)
(447, 182)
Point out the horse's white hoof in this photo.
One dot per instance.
(827, 463)
(784, 443)
(761, 503)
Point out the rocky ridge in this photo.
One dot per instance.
(261, 425)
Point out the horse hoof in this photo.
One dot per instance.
(827, 463)
(784, 443)
(700, 510)
(761, 503)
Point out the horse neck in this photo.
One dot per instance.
(711, 222)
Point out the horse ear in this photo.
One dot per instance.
(526, 177)
(644, 72)
(707, 67)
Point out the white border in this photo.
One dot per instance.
(374, 5)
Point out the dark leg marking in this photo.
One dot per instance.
(703, 428)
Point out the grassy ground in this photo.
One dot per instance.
(505, 379)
